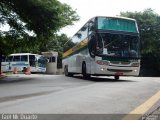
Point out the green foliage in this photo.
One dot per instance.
(55, 43)
(33, 23)
(43, 17)
(149, 28)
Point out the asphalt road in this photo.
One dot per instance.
(57, 94)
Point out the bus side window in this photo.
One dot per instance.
(91, 26)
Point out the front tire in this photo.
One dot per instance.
(116, 77)
(66, 72)
(84, 72)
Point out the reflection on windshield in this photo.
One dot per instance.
(117, 45)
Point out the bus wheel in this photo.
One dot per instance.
(84, 72)
(116, 77)
(66, 70)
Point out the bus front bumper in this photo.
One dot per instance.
(117, 71)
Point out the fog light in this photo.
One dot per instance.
(102, 69)
(135, 70)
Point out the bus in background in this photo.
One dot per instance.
(22, 61)
(104, 46)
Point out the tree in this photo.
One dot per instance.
(56, 43)
(32, 23)
(149, 28)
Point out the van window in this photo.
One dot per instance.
(3, 58)
(16, 58)
(9, 59)
(24, 58)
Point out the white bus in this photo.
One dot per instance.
(104, 46)
(22, 61)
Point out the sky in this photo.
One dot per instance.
(87, 9)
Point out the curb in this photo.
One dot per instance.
(2, 76)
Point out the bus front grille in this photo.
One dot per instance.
(119, 70)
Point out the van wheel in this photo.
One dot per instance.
(84, 72)
(116, 77)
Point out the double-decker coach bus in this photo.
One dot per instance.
(21, 61)
(104, 46)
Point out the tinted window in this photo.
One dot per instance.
(77, 38)
(68, 46)
(24, 58)
(52, 59)
(16, 58)
(42, 62)
(32, 60)
(92, 45)
(118, 45)
(9, 59)
(84, 32)
(117, 24)
(91, 26)
(3, 58)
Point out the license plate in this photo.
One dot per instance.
(119, 73)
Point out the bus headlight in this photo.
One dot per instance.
(135, 64)
(101, 62)
(102, 69)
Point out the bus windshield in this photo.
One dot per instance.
(117, 45)
(106, 23)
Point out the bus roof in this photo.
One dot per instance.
(126, 18)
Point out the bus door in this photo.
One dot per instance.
(92, 51)
(32, 60)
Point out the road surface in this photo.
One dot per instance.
(57, 94)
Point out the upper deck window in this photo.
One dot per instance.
(117, 24)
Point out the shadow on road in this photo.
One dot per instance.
(12, 98)
(14, 80)
(102, 79)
